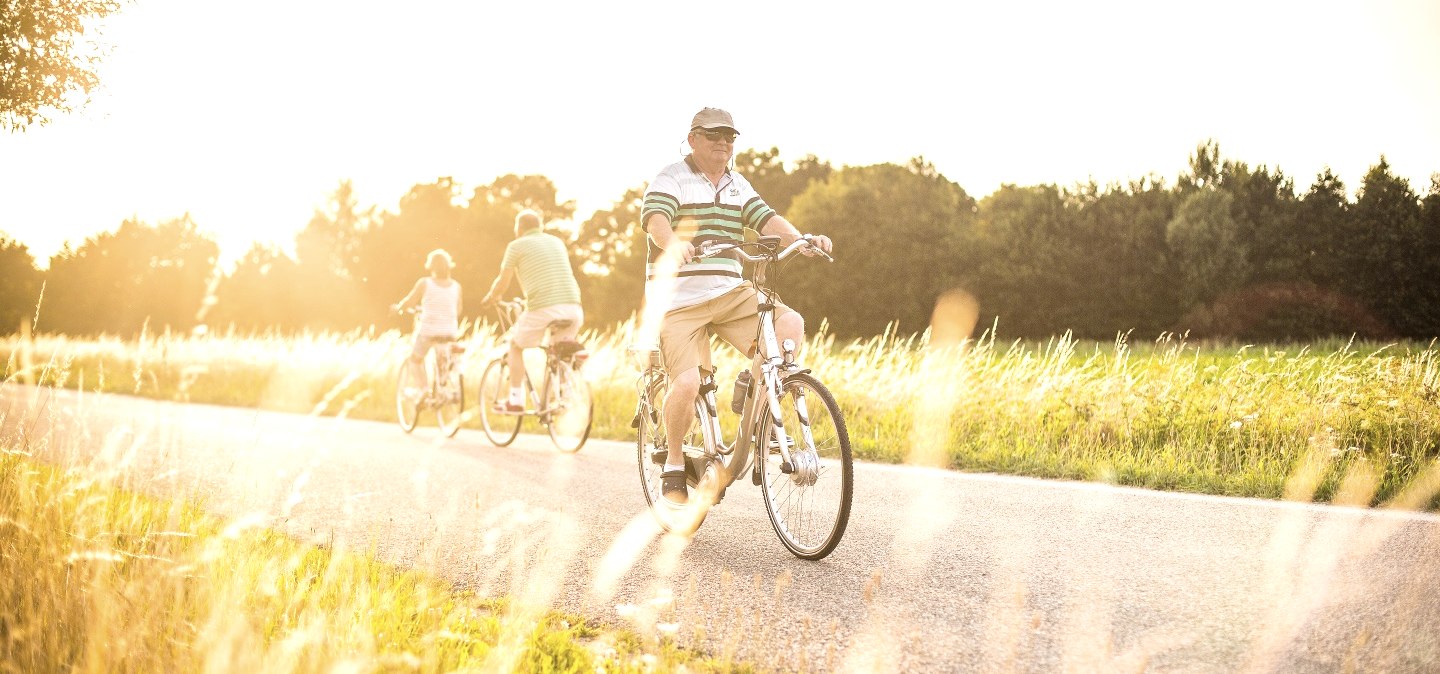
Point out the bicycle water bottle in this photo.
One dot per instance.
(742, 386)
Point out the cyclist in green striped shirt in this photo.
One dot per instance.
(542, 263)
(692, 202)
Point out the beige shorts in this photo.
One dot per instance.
(530, 329)
(733, 317)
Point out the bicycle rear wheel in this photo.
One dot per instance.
(810, 504)
(409, 392)
(451, 400)
(500, 427)
(568, 403)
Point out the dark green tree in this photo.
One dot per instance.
(1021, 250)
(19, 284)
(1320, 230)
(775, 184)
(119, 282)
(264, 292)
(1428, 326)
(327, 265)
(46, 64)
(894, 229)
(1205, 248)
(1114, 259)
(1385, 249)
(609, 255)
(1264, 209)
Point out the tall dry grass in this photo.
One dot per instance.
(96, 577)
(1167, 414)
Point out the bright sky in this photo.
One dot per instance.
(247, 115)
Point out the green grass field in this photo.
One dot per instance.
(1218, 419)
(98, 578)
(101, 578)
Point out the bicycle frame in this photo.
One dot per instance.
(444, 360)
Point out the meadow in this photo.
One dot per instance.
(104, 575)
(1165, 414)
(101, 576)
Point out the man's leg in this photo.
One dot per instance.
(529, 330)
(685, 347)
(679, 413)
(517, 372)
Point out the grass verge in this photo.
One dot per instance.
(1219, 419)
(102, 579)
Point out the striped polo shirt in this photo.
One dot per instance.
(702, 212)
(543, 265)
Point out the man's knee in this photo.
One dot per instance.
(686, 384)
(791, 324)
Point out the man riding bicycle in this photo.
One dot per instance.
(440, 301)
(695, 201)
(542, 263)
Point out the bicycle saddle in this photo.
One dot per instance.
(567, 348)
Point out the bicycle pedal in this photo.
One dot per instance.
(694, 468)
(755, 474)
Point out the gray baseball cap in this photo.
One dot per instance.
(713, 118)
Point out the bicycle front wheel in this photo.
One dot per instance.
(500, 426)
(451, 401)
(409, 392)
(809, 500)
(569, 408)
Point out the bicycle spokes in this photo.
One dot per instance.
(807, 470)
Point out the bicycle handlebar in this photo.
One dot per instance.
(804, 242)
(509, 304)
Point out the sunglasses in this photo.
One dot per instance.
(716, 135)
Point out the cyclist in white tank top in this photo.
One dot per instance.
(440, 300)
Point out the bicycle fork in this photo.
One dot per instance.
(767, 410)
(801, 466)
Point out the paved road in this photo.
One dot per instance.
(939, 571)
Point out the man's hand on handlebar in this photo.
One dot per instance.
(820, 243)
(683, 251)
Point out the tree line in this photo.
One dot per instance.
(1226, 251)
